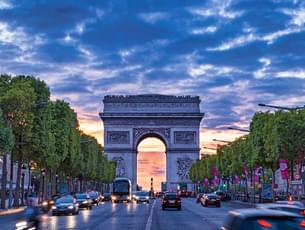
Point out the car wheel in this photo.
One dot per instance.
(53, 214)
(90, 207)
(163, 208)
(206, 204)
(179, 208)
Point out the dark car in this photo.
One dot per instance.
(223, 196)
(46, 205)
(83, 200)
(171, 200)
(210, 199)
(106, 196)
(65, 205)
(95, 197)
(293, 202)
(284, 207)
(259, 219)
(142, 197)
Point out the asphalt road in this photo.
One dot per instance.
(135, 216)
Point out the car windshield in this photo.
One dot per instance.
(212, 197)
(261, 223)
(93, 194)
(64, 200)
(81, 196)
(171, 196)
(142, 193)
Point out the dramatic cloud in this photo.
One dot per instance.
(233, 54)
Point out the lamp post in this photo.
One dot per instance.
(56, 183)
(22, 184)
(43, 172)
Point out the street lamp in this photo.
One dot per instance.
(222, 141)
(281, 107)
(238, 129)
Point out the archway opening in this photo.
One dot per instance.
(151, 163)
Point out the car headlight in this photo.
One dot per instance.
(147, 197)
(45, 203)
(53, 207)
(85, 202)
(136, 197)
(21, 225)
(113, 198)
(51, 202)
(70, 207)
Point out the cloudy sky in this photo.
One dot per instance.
(233, 54)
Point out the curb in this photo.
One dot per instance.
(11, 211)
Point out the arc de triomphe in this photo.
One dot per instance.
(175, 120)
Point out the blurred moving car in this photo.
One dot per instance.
(284, 207)
(210, 199)
(107, 196)
(223, 196)
(171, 200)
(65, 205)
(83, 200)
(294, 202)
(142, 197)
(95, 197)
(260, 219)
(46, 205)
(198, 197)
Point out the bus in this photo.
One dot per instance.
(121, 190)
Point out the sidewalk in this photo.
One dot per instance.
(10, 211)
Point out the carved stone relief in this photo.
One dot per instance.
(120, 166)
(183, 168)
(185, 137)
(118, 137)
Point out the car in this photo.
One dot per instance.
(259, 219)
(65, 205)
(46, 205)
(95, 197)
(198, 197)
(210, 199)
(142, 197)
(293, 202)
(171, 200)
(83, 200)
(284, 207)
(223, 196)
(107, 196)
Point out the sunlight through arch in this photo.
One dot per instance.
(151, 162)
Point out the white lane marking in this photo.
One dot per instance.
(149, 220)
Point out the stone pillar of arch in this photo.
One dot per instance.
(175, 120)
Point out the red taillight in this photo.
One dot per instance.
(302, 212)
(264, 223)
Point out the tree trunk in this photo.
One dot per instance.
(53, 184)
(3, 182)
(17, 189)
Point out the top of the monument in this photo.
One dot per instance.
(156, 98)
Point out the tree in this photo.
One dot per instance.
(17, 103)
(6, 145)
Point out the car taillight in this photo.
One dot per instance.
(302, 212)
(302, 224)
(264, 223)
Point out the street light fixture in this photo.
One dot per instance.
(222, 141)
(281, 107)
(238, 129)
